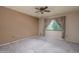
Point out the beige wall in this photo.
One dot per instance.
(15, 25)
(72, 26)
(54, 35)
(41, 26)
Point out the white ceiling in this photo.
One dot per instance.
(30, 10)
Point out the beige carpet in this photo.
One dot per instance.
(40, 45)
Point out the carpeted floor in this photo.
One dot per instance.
(40, 45)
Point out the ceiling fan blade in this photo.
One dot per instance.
(37, 8)
(47, 10)
(45, 7)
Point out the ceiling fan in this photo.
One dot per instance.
(42, 10)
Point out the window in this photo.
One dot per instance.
(54, 26)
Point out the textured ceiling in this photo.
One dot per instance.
(30, 10)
